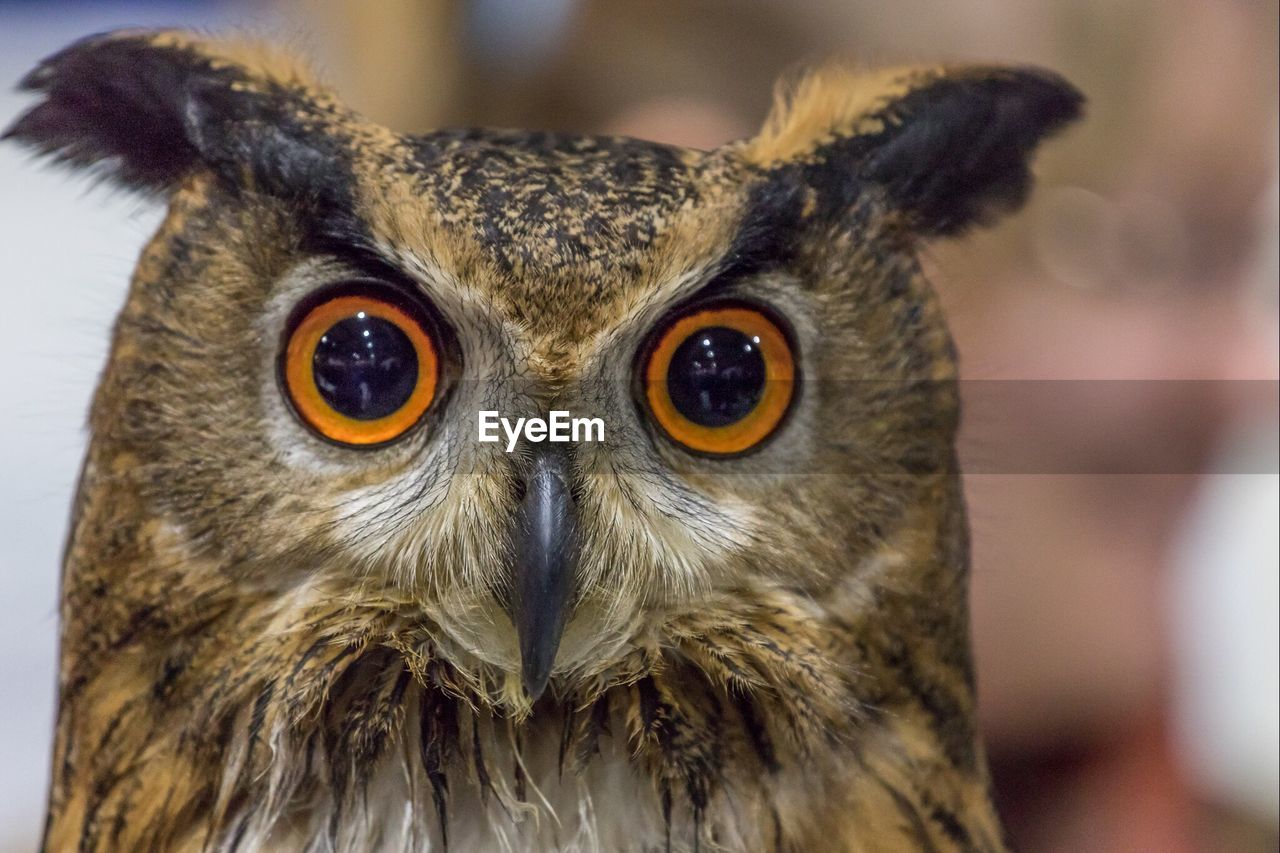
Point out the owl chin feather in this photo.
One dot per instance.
(379, 706)
(300, 612)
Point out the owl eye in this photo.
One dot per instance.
(719, 380)
(360, 368)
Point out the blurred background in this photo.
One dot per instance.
(1119, 345)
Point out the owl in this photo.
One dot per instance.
(306, 606)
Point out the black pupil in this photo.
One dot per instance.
(365, 367)
(716, 376)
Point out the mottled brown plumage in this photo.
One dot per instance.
(273, 642)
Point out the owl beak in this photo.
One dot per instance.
(546, 557)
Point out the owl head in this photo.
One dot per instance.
(289, 426)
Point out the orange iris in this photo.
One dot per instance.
(719, 380)
(360, 369)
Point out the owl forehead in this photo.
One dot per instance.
(564, 226)
(551, 200)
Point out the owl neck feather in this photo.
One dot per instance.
(764, 719)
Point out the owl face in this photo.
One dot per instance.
(297, 377)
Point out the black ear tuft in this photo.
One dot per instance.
(118, 102)
(146, 107)
(946, 147)
(957, 152)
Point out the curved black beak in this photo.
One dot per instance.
(546, 557)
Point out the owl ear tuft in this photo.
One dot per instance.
(948, 147)
(146, 108)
